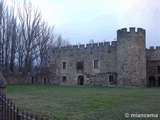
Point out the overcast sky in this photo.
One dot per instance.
(82, 20)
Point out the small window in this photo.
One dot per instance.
(80, 65)
(96, 63)
(64, 65)
(111, 78)
(64, 78)
(158, 69)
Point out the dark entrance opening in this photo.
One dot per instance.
(159, 81)
(80, 80)
(152, 81)
(111, 78)
(45, 81)
(32, 80)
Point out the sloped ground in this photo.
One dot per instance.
(85, 103)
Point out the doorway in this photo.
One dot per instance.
(159, 81)
(45, 81)
(80, 80)
(32, 80)
(152, 81)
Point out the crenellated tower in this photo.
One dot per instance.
(131, 57)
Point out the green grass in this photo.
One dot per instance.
(85, 103)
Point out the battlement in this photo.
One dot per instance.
(101, 45)
(152, 48)
(132, 30)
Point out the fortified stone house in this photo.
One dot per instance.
(125, 62)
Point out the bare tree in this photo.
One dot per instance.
(8, 37)
(1, 17)
(60, 42)
(20, 49)
(13, 43)
(26, 39)
(30, 21)
(44, 42)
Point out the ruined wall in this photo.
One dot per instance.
(17, 78)
(24, 79)
(103, 52)
(40, 78)
(131, 57)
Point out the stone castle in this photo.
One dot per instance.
(125, 62)
(121, 63)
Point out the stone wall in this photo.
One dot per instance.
(152, 69)
(125, 59)
(17, 78)
(131, 57)
(103, 52)
(153, 62)
(24, 79)
(120, 63)
(153, 54)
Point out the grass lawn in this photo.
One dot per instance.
(85, 103)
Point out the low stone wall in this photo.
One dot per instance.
(18, 79)
(24, 79)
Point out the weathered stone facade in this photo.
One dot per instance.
(153, 66)
(131, 57)
(66, 60)
(123, 63)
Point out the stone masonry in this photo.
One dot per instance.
(66, 60)
(131, 57)
(121, 63)
(153, 66)
(125, 62)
